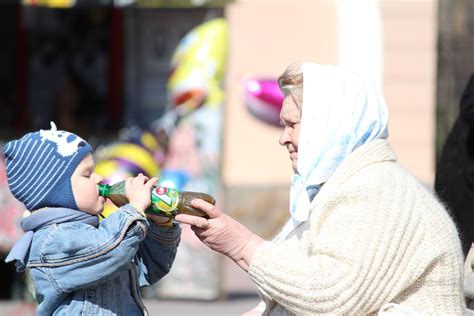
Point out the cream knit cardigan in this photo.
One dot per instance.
(375, 235)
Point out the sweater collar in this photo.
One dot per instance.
(375, 151)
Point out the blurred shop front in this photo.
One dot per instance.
(141, 81)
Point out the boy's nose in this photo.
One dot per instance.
(98, 178)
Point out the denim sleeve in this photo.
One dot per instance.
(77, 255)
(157, 252)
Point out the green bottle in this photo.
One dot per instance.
(164, 201)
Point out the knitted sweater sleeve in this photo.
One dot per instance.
(361, 248)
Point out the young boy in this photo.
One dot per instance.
(78, 265)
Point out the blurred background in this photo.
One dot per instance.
(185, 90)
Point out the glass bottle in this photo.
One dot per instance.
(164, 201)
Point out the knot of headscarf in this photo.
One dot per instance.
(43, 218)
(341, 111)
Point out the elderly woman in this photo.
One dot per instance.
(364, 235)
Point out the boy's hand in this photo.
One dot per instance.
(138, 191)
(160, 220)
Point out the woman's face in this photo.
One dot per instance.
(290, 119)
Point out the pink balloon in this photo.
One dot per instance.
(264, 99)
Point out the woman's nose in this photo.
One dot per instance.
(284, 137)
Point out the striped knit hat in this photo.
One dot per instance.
(40, 165)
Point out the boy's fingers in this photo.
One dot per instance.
(152, 181)
(142, 177)
(149, 184)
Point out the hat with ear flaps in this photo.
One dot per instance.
(40, 165)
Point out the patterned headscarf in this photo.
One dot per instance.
(341, 111)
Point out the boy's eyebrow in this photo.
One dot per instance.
(89, 166)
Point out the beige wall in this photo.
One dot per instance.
(409, 82)
(265, 36)
(264, 39)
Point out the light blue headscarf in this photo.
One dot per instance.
(341, 111)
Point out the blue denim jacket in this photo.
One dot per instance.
(79, 269)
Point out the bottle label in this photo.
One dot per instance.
(164, 200)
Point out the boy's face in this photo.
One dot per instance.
(84, 183)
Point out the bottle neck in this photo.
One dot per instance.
(104, 190)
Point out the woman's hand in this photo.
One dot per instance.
(222, 233)
(137, 190)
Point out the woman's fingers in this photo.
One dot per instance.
(211, 210)
(199, 222)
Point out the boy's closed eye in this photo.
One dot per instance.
(87, 170)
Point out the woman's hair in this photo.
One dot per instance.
(291, 82)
